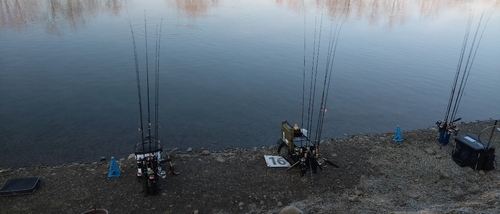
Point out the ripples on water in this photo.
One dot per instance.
(230, 71)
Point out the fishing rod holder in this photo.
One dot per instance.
(149, 164)
(148, 152)
(296, 148)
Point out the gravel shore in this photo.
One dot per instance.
(376, 175)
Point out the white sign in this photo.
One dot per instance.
(276, 161)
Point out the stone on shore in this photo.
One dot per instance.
(291, 210)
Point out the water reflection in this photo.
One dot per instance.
(193, 8)
(386, 12)
(54, 15)
(17, 14)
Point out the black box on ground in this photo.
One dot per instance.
(470, 152)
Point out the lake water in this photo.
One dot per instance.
(230, 71)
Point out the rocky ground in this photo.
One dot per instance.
(376, 175)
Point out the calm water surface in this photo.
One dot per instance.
(230, 71)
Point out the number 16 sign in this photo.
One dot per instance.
(276, 161)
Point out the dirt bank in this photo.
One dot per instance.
(376, 175)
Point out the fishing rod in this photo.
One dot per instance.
(149, 159)
(314, 73)
(468, 68)
(138, 83)
(307, 157)
(303, 74)
(491, 134)
(147, 81)
(310, 167)
(157, 85)
(326, 78)
(329, 68)
(326, 84)
(459, 65)
(308, 126)
(445, 128)
(316, 69)
(466, 71)
(332, 47)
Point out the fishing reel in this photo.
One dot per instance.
(441, 124)
(446, 130)
(303, 166)
(306, 158)
(148, 171)
(147, 165)
(453, 130)
(307, 161)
